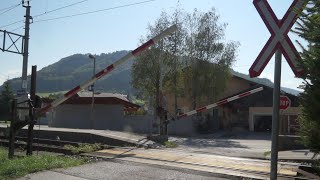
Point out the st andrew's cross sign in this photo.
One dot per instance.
(279, 37)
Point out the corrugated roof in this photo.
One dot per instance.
(89, 94)
(265, 82)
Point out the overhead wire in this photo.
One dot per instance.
(20, 27)
(9, 7)
(68, 16)
(45, 13)
(13, 7)
(57, 9)
(11, 23)
(96, 11)
(78, 14)
(17, 28)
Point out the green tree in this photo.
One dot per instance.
(198, 47)
(150, 68)
(6, 97)
(309, 29)
(209, 56)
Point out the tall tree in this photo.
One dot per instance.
(309, 29)
(198, 47)
(6, 97)
(150, 68)
(209, 56)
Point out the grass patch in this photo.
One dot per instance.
(21, 166)
(170, 144)
(83, 148)
(267, 153)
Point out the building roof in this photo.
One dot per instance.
(102, 98)
(99, 94)
(262, 81)
(265, 82)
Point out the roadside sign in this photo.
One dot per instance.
(285, 103)
(24, 84)
(279, 44)
(279, 37)
(21, 92)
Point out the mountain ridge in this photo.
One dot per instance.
(73, 70)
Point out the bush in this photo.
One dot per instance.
(170, 144)
(139, 112)
(83, 148)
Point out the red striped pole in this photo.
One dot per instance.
(222, 102)
(108, 69)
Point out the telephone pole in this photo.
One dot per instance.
(26, 46)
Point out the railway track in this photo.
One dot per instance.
(58, 146)
(49, 145)
(237, 167)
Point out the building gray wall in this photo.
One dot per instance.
(79, 117)
(143, 124)
(138, 123)
(182, 127)
(111, 117)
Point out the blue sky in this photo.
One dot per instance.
(121, 29)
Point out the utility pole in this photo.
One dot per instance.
(32, 109)
(26, 46)
(275, 116)
(92, 89)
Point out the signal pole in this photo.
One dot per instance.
(26, 46)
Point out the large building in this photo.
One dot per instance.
(77, 112)
(252, 113)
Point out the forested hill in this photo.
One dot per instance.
(78, 68)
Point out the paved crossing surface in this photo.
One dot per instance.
(238, 167)
(108, 170)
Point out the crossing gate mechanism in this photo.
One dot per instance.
(108, 69)
(222, 102)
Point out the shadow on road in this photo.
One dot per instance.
(205, 143)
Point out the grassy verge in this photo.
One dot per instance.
(170, 144)
(83, 148)
(267, 153)
(21, 166)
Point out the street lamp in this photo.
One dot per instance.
(92, 89)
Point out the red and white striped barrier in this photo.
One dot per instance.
(108, 69)
(219, 103)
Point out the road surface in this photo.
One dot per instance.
(110, 170)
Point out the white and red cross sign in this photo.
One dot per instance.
(279, 37)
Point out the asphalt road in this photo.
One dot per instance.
(245, 144)
(118, 170)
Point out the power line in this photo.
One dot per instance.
(63, 7)
(20, 27)
(10, 9)
(91, 12)
(3, 9)
(11, 24)
(45, 13)
(57, 9)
